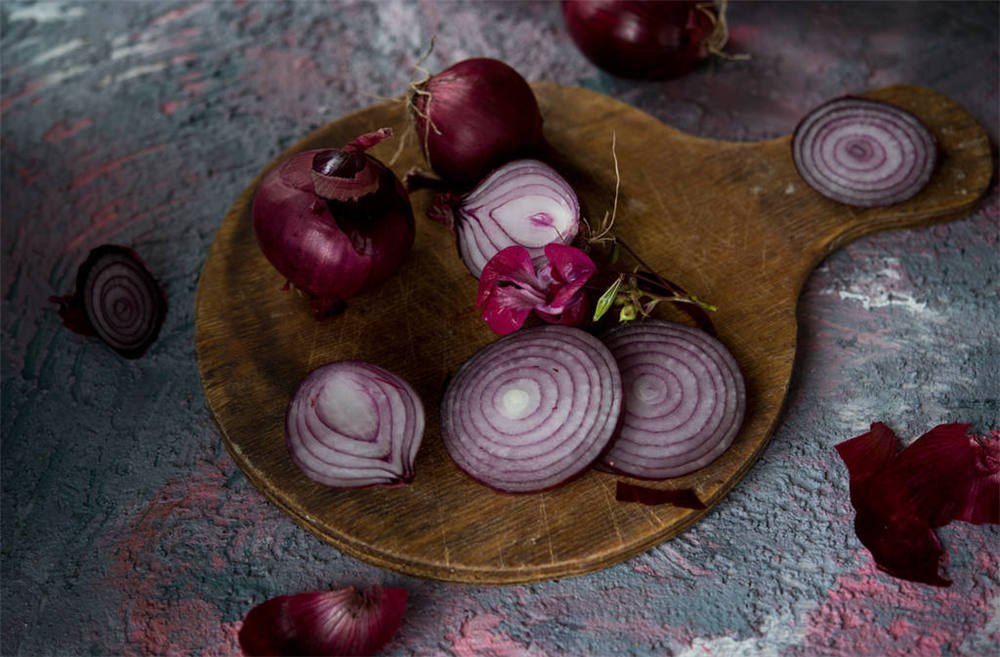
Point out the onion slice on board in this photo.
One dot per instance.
(864, 152)
(352, 424)
(533, 409)
(685, 398)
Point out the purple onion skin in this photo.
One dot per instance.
(332, 250)
(482, 114)
(640, 39)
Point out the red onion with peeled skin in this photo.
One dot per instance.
(474, 116)
(352, 424)
(864, 152)
(685, 398)
(117, 299)
(334, 222)
(334, 623)
(523, 203)
(644, 39)
(533, 409)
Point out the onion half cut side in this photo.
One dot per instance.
(684, 402)
(351, 424)
(533, 409)
(864, 152)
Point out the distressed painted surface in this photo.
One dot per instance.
(128, 530)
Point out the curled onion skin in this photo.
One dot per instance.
(863, 152)
(532, 410)
(334, 222)
(352, 424)
(522, 203)
(473, 116)
(684, 399)
(117, 299)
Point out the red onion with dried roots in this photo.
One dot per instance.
(864, 152)
(685, 399)
(644, 39)
(117, 299)
(334, 222)
(335, 623)
(352, 424)
(523, 203)
(474, 116)
(533, 409)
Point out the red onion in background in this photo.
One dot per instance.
(864, 152)
(533, 409)
(352, 424)
(117, 299)
(334, 222)
(474, 116)
(645, 39)
(685, 398)
(523, 203)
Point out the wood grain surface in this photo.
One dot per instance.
(731, 222)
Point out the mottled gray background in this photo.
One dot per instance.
(128, 530)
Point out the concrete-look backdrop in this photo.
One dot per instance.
(128, 530)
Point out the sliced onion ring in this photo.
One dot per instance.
(351, 424)
(864, 152)
(533, 409)
(685, 399)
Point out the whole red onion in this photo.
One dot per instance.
(644, 39)
(475, 116)
(334, 222)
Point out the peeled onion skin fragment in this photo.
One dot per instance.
(324, 623)
(685, 399)
(352, 424)
(533, 409)
(899, 498)
(863, 152)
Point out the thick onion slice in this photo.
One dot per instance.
(684, 399)
(533, 409)
(864, 152)
(351, 424)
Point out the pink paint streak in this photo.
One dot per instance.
(63, 129)
(107, 167)
(479, 637)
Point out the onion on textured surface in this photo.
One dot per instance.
(351, 424)
(335, 223)
(474, 116)
(524, 202)
(324, 623)
(684, 402)
(533, 409)
(117, 299)
(864, 152)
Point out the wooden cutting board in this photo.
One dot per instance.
(730, 222)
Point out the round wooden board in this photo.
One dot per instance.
(730, 222)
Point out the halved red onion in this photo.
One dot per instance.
(117, 299)
(335, 623)
(351, 424)
(685, 398)
(524, 202)
(864, 152)
(533, 409)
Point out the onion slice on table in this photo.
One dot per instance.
(533, 409)
(352, 424)
(685, 398)
(523, 203)
(864, 152)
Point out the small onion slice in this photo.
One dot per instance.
(533, 409)
(685, 398)
(864, 152)
(352, 424)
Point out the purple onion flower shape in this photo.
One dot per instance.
(511, 286)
